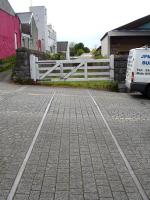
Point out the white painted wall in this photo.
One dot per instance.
(105, 46)
(40, 16)
(52, 39)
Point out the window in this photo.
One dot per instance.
(15, 37)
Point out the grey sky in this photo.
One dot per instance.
(87, 20)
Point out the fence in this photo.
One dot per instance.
(71, 70)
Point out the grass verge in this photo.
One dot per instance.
(7, 63)
(100, 85)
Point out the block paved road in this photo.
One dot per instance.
(74, 156)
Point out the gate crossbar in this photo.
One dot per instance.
(73, 71)
(50, 70)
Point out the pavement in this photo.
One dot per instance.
(5, 76)
(89, 145)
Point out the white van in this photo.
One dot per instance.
(138, 71)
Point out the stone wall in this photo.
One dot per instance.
(21, 71)
(120, 66)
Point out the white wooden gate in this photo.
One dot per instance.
(72, 70)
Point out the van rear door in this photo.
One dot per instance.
(143, 66)
(129, 68)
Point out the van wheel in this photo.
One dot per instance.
(148, 92)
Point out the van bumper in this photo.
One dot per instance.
(139, 87)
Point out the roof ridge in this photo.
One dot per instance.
(131, 25)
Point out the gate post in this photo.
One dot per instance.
(61, 71)
(37, 69)
(111, 67)
(33, 67)
(85, 71)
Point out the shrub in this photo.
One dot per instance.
(57, 56)
(80, 52)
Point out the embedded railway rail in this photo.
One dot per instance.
(65, 144)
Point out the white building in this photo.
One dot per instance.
(52, 39)
(40, 16)
(46, 34)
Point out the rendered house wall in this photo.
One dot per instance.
(9, 32)
(52, 40)
(40, 16)
(34, 33)
(105, 46)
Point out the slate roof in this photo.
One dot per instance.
(62, 46)
(135, 24)
(5, 5)
(25, 17)
(132, 25)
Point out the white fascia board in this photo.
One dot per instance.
(129, 33)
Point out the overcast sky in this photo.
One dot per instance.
(87, 20)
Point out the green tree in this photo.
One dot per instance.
(80, 52)
(86, 50)
(78, 49)
(79, 46)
